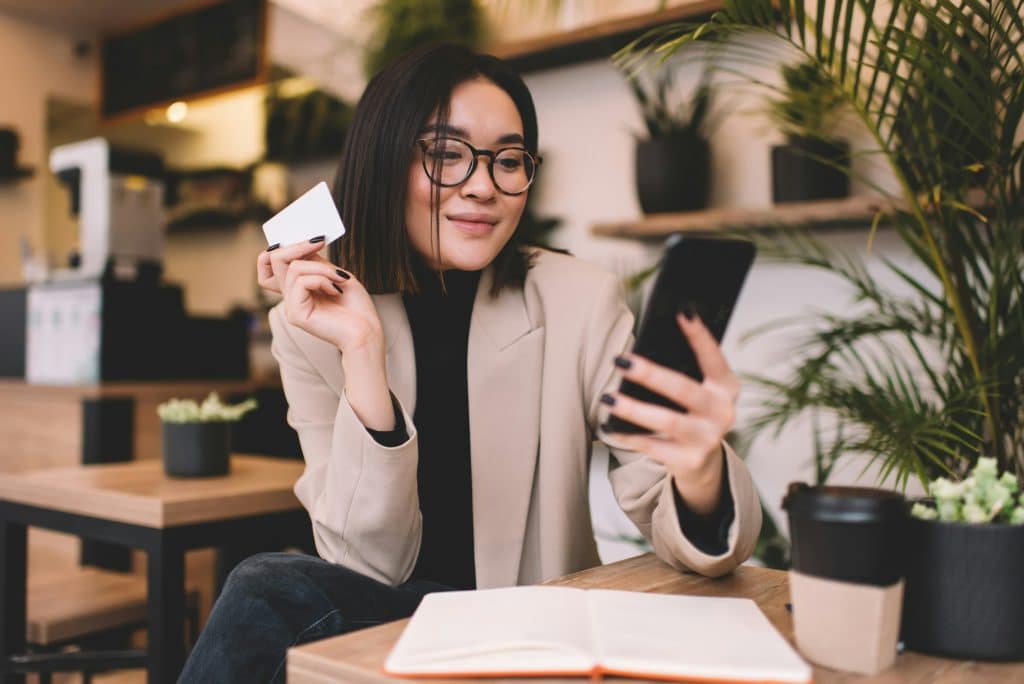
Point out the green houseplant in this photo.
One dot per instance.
(305, 127)
(673, 160)
(812, 164)
(400, 25)
(197, 437)
(927, 381)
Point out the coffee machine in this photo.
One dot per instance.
(107, 315)
(118, 196)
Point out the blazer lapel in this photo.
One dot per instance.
(504, 370)
(400, 358)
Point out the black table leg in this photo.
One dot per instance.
(227, 558)
(108, 436)
(13, 560)
(289, 531)
(166, 601)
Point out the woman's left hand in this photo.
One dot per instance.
(688, 444)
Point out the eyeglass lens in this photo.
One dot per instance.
(449, 162)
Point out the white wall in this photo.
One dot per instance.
(37, 63)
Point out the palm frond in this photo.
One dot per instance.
(923, 381)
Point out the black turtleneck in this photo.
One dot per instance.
(439, 321)
(440, 332)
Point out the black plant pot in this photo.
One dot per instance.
(673, 173)
(965, 590)
(197, 449)
(810, 169)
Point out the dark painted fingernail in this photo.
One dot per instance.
(341, 273)
(608, 399)
(789, 607)
(274, 246)
(338, 289)
(318, 238)
(623, 362)
(688, 310)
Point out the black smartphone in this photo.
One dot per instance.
(700, 274)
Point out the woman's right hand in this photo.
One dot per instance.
(272, 264)
(322, 299)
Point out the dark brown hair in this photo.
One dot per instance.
(371, 186)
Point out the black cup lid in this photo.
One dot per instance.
(843, 504)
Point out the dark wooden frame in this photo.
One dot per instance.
(263, 69)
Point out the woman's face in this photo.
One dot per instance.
(475, 218)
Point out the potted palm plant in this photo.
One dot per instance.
(673, 161)
(812, 164)
(927, 384)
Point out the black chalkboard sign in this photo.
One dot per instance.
(210, 48)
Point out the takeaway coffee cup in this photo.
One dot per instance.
(846, 580)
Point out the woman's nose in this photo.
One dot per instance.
(479, 183)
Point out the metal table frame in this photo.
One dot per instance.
(165, 548)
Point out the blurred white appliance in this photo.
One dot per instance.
(118, 197)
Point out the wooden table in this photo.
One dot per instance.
(52, 426)
(357, 658)
(136, 505)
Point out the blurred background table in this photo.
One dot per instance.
(134, 504)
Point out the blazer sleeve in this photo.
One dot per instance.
(641, 485)
(361, 495)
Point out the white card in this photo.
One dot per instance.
(311, 215)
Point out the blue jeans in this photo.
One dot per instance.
(273, 601)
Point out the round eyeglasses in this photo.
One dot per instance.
(449, 162)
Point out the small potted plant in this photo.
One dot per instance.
(812, 165)
(673, 161)
(197, 437)
(965, 564)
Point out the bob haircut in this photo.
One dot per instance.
(371, 185)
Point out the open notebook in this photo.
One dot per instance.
(560, 631)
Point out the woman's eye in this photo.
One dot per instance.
(442, 154)
(510, 164)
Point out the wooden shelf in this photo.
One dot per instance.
(16, 175)
(596, 41)
(847, 212)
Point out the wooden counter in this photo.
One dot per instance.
(59, 425)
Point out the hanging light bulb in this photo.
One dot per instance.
(177, 112)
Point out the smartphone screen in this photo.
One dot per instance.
(699, 274)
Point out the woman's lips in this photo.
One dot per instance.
(472, 226)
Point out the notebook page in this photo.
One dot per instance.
(691, 636)
(514, 630)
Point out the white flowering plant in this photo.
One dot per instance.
(984, 496)
(212, 409)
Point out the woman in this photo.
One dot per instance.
(447, 384)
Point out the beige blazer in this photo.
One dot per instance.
(538, 361)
